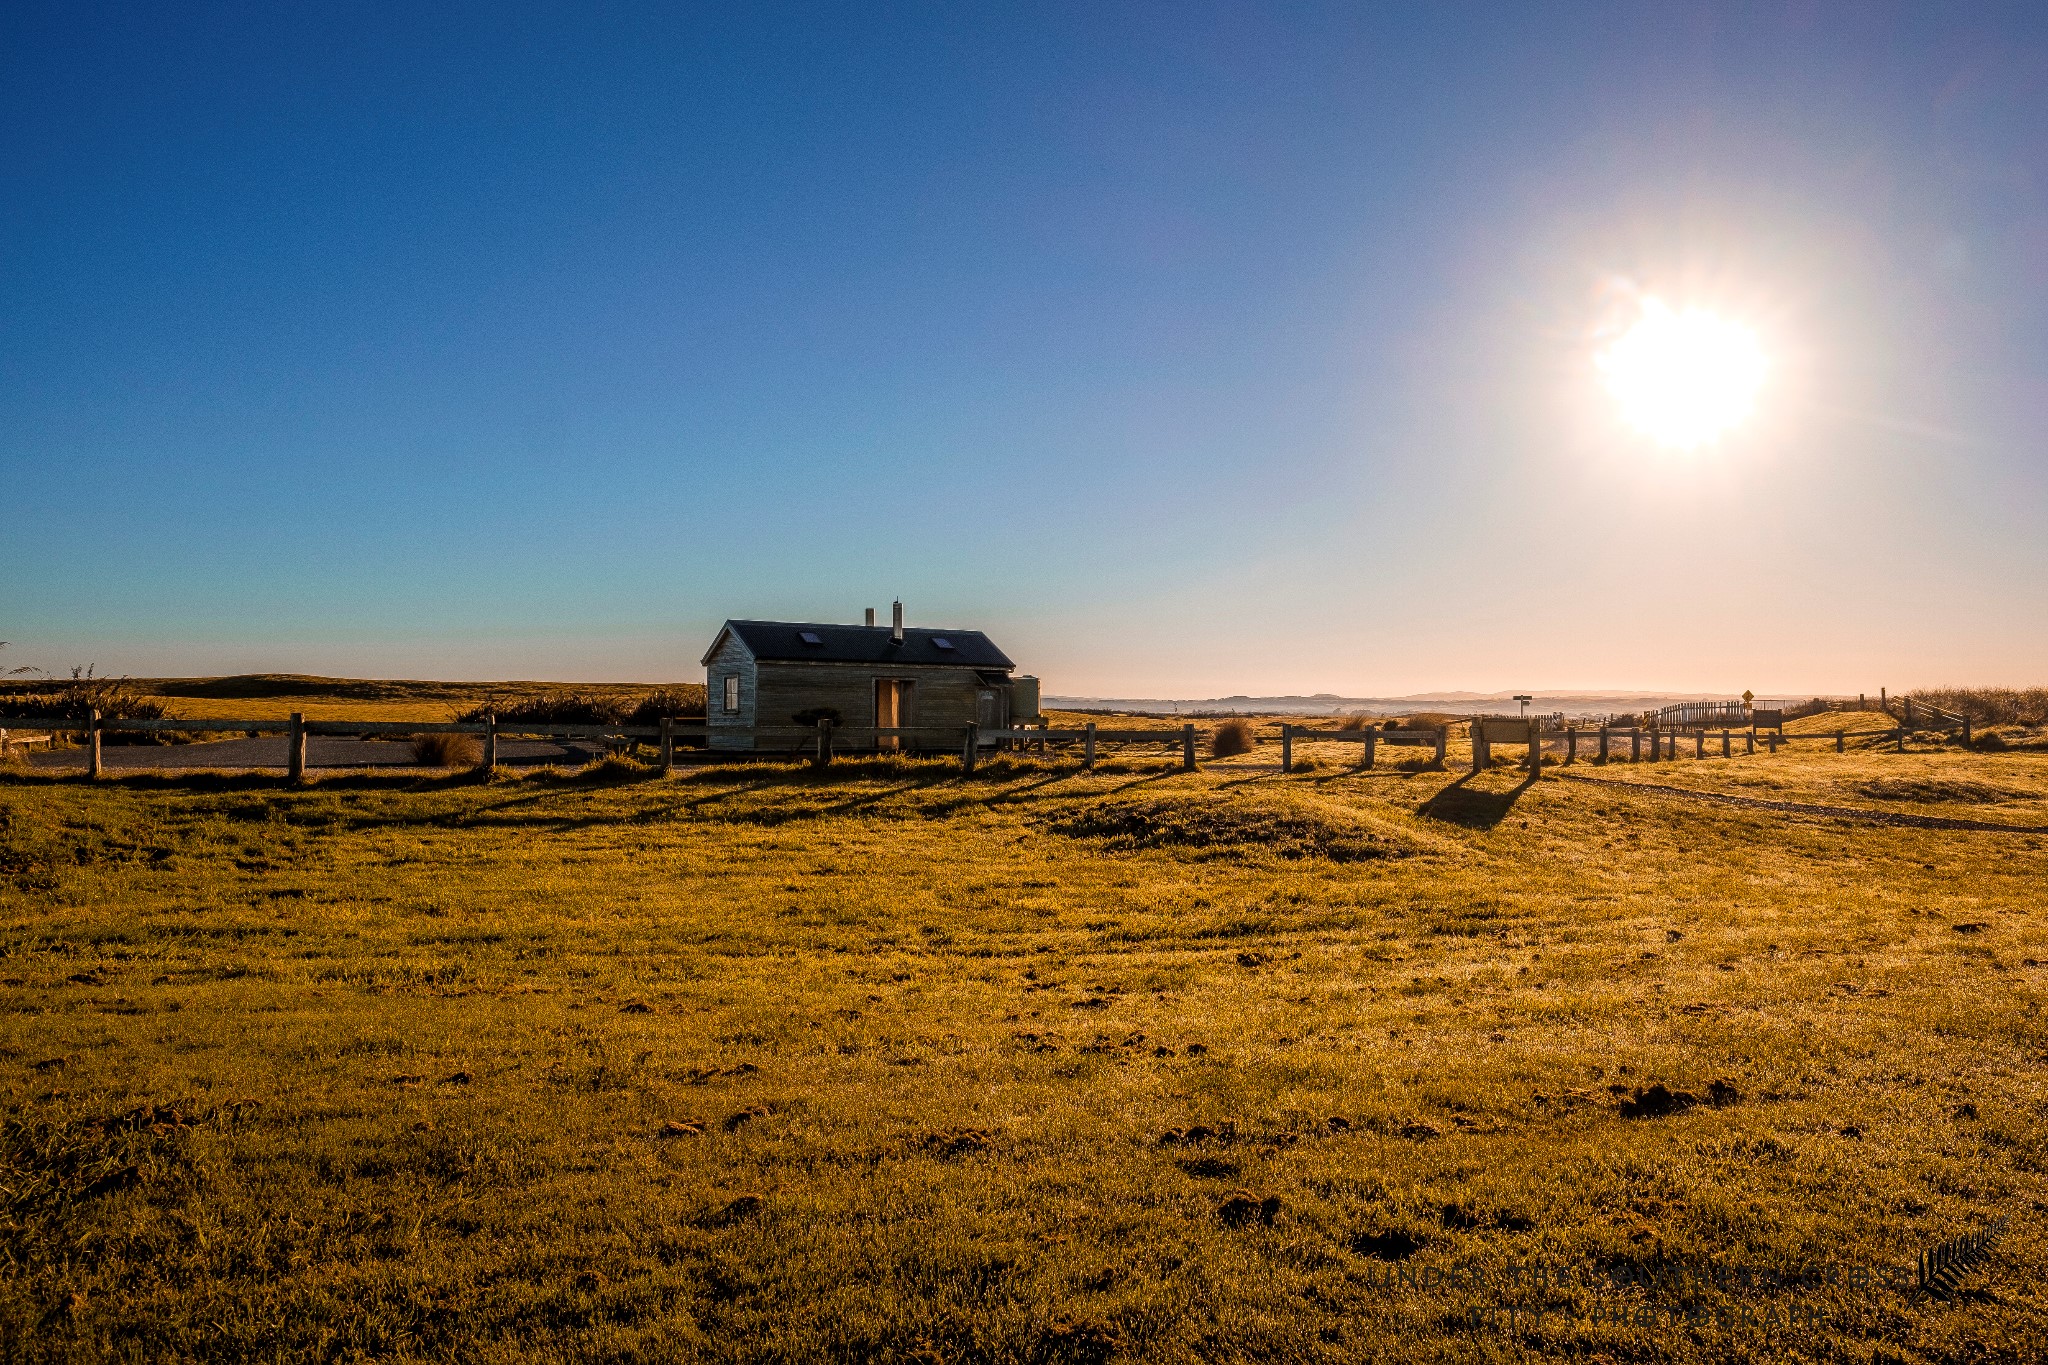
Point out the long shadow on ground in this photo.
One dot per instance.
(1459, 803)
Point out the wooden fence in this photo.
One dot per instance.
(1662, 742)
(820, 744)
(1436, 737)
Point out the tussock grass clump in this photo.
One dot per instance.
(616, 768)
(1232, 737)
(1287, 826)
(447, 751)
(1357, 720)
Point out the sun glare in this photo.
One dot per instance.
(1683, 379)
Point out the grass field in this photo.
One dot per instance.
(274, 696)
(1028, 1066)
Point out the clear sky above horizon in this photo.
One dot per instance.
(1188, 350)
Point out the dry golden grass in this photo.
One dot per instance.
(896, 1064)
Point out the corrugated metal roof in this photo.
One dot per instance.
(778, 640)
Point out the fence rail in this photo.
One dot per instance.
(826, 740)
(821, 741)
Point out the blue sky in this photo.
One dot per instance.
(1186, 349)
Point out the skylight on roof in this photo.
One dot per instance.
(809, 637)
(942, 642)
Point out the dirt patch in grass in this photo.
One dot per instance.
(1234, 822)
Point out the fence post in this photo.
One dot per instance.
(1286, 747)
(823, 758)
(92, 730)
(1966, 732)
(1749, 742)
(1443, 742)
(967, 752)
(1899, 736)
(1088, 746)
(1603, 744)
(1635, 744)
(1366, 749)
(668, 742)
(1724, 744)
(1772, 740)
(1187, 748)
(295, 748)
(1480, 754)
(1571, 744)
(1535, 748)
(1699, 744)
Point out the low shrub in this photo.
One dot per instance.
(1990, 705)
(443, 750)
(76, 698)
(586, 708)
(1232, 737)
(668, 702)
(551, 708)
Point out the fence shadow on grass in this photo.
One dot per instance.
(1459, 803)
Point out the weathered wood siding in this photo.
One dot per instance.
(732, 658)
(947, 698)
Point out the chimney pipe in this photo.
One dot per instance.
(871, 615)
(896, 624)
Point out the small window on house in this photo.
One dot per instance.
(942, 642)
(732, 694)
(809, 637)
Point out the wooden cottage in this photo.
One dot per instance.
(783, 673)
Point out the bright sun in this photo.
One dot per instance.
(1683, 379)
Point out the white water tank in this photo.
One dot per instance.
(1023, 700)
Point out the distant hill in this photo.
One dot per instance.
(1456, 703)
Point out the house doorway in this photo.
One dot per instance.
(892, 710)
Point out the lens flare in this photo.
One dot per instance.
(1683, 379)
